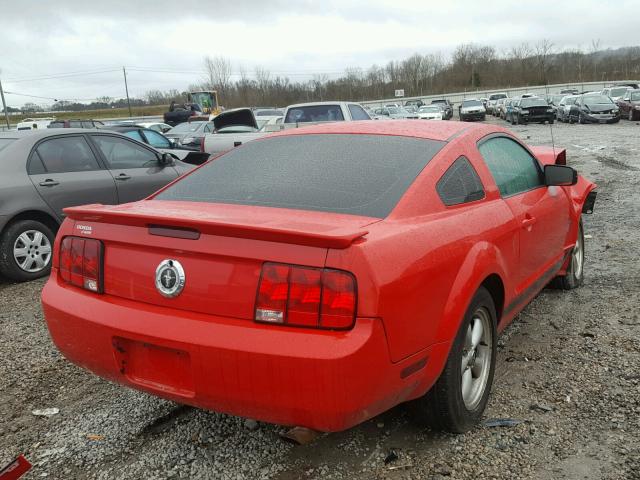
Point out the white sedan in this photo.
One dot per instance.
(430, 112)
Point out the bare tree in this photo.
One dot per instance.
(218, 71)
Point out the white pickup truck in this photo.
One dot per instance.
(235, 127)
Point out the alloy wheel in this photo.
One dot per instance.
(476, 358)
(32, 251)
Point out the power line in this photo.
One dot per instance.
(62, 75)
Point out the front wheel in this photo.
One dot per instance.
(26, 250)
(457, 400)
(575, 272)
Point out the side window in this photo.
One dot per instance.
(121, 153)
(156, 140)
(135, 134)
(358, 113)
(35, 165)
(208, 128)
(67, 154)
(75, 124)
(460, 184)
(512, 166)
(87, 125)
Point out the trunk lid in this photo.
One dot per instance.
(220, 247)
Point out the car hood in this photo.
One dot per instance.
(238, 116)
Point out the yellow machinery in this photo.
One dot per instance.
(208, 100)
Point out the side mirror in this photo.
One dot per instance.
(560, 175)
(165, 159)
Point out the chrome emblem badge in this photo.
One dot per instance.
(170, 278)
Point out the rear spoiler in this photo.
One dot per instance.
(338, 238)
(550, 155)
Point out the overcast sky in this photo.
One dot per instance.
(81, 43)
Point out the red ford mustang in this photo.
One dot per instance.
(320, 276)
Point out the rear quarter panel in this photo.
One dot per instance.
(418, 272)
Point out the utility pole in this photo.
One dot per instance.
(4, 106)
(124, 72)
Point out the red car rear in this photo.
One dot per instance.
(320, 276)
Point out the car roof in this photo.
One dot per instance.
(441, 131)
(46, 132)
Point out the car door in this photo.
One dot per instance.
(542, 212)
(136, 169)
(66, 172)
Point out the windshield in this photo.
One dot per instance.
(471, 103)
(533, 102)
(497, 96)
(597, 99)
(429, 110)
(187, 127)
(394, 110)
(635, 95)
(569, 100)
(205, 99)
(618, 92)
(4, 142)
(310, 172)
(314, 113)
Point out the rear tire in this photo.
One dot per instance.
(457, 400)
(26, 250)
(575, 272)
(630, 116)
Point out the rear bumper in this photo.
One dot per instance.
(327, 381)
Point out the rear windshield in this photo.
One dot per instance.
(497, 96)
(471, 103)
(4, 142)
(352, 174)
(314, 113)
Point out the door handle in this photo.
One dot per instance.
(49, 183)
(123, 176)
(528, 221)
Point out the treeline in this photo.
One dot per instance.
(470, 67)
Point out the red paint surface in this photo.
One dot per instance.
(416, 271)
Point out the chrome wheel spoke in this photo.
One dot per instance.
(476, 334)
(45, 249)
(20, 252)
(467, 383)
(37, 238)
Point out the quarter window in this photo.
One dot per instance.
(67, 154)
(156, 140)
(512, 166)
(358, 113)
(460, 184)
(121, 153)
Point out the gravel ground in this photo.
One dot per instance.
(567, 368)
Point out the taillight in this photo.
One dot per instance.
(202, 144)
(306, 297)
(81, 263)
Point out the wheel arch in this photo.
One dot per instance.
(37, 215)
